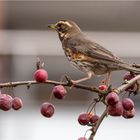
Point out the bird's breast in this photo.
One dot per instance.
(73, 56)
(80, 61)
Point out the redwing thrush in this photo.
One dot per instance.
(86, 55)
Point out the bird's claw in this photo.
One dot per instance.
(74, 82)
(71, 82)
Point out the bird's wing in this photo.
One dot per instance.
(91, 49)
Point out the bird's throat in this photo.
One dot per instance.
(63, 36)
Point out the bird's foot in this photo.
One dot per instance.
(71, 82)
(74, 82)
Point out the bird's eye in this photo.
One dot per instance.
(59, 25)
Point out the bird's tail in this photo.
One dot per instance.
(130, 68)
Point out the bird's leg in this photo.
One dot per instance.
(89, 75)
(106, 81)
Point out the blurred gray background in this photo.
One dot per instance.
(24, 36)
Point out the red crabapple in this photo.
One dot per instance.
(84, 119)
(17, 103)
(129, 114)
(94, 118)
(5, 102)
(103, 87)
(59, 92)
(41, 75)
(112, 98)
(128, 104)
(116, 110)
(47, 109)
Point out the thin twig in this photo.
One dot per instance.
(19, 83)
(95, 128)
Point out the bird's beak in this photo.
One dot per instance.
(52, 26)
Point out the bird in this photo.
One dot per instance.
(86, 55)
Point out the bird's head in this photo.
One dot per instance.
(65, 27)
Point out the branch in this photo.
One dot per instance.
(136, 65)
(127, 84)
(67, 84)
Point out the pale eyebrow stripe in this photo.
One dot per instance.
(66, 22)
